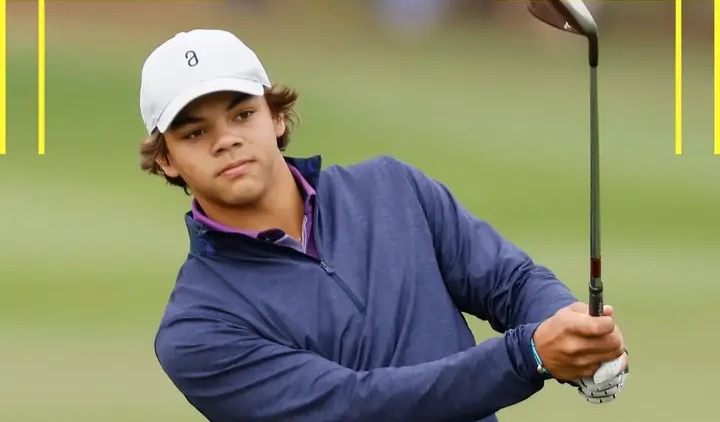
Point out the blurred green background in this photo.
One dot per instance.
(495, 106)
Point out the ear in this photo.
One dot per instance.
(279, 125)
(167, 167)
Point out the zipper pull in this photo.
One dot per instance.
(326, 268)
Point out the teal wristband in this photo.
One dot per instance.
(538, 361)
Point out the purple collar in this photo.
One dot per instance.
(305, 189)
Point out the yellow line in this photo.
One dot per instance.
(3, 77)
(678, 77)
(716, 77)
(41, 77)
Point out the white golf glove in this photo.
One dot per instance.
(606, 383)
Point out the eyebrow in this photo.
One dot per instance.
(183, 119)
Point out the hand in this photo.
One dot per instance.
(572, 344)
(608, 380)
(606, 383)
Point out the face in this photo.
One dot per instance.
(224, 146)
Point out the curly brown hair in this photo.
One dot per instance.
(281, 101)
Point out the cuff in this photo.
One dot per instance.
(530, 360)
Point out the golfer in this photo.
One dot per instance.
(337, 294)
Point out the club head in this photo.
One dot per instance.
(568, 15)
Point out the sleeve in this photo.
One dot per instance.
(230, 374)
(486, 275)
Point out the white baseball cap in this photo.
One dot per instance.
(192, 64)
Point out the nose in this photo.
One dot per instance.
(227, 140)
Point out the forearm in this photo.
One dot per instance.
(467, 386)
(253, 379)
(534, 294)
(486, 274)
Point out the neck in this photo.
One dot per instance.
(281, 208)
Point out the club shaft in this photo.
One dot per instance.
(596, 285)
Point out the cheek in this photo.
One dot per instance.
(191, 163)
(263, 134)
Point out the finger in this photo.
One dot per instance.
(574, 383)
(590, 388)
(586, 373)
(583, 308)
(609, 346)
(593, 359)
(609, 370)
(602, 400)
(604, 393)
(589, 326)
(588, 385)
(614, 391)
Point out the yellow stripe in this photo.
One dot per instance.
(678, 78)
(716, 77)
(41, 77)
(3, 77)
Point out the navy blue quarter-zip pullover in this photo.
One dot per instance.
(369, 331)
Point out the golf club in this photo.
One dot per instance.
(574, 17)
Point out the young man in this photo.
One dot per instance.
(336, 295)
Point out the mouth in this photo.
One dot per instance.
(236, 168)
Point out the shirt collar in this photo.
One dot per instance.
(301, 169)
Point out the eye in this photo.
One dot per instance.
(194, 134)
(243, 115)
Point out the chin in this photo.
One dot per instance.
(243, 197)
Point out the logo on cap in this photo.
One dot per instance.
(192, 58)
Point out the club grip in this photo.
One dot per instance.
(596, 302)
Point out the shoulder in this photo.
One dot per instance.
(198, 294)
(381, 168)
(386, 162)
(196, 306)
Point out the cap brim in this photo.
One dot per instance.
(203, 88)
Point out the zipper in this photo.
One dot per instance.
(339, 281)
(329, 271)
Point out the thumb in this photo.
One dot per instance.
(582, 308)
(579, 307)
(609, 370)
